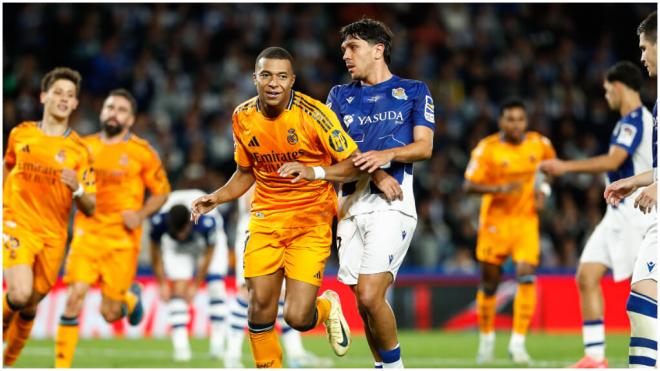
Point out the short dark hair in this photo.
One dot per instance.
(61, 73)
(626, 73)
(177, 218)
(274, 52)
(649, 27)
(125, 94)
(509, 103)
(371, 31)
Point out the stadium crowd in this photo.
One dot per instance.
(189, 65)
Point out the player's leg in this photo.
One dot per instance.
(120, 296)
(642, 306)
(18, 254)
(524, 305)
(46, 267)
(264, 257)
(263, 293)
(486, 309)
(238, 311)
(178, 313)
(215, 285)
(67, 330)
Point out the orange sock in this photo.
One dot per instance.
(66, 341)
(7, 316)
(523, 307)
(265, 346)
(17, 336)
(486, 312)
(131, 301)
(322, 310)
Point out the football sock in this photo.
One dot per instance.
(66, 341)
(19, 332)
(524, 304)
(391, 358)
(593, 336)
(237, 325)
(265, 346)
(485, 312)
(643, 315)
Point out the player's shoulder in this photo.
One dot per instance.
(341, 89)
(24, 127)
(247, 106)
(140, 146)
(158, 219)
(205, 223)
(78, 142)
(536, 137)
(636, 117)
(401, 86)
(307, 101)
(312, 108)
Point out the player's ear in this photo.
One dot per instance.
(254, 78)
(131, 121)
(42, 97)
(293, 79)
(75, 103)
(379, 49)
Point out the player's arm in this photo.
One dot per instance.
(203, 268)
(476, 188)
(238, 184)
(133, 219)
(85, 202)
(343, 171)
(608, 162)
(420, 149)
(622, 188)
(158, 269)
(5, 172)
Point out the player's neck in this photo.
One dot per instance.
(377, 75)
(115, 138)
(272, 112)
(629, 104)
(52, 126)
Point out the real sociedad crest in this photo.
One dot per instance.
(292, 138)
(399, 93)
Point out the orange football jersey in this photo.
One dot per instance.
(496, 162)
(34, 197)
(307, 132)
(123, 170)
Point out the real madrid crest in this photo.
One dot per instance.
(399, 93)
(292, 138)
(60, 156)
(123, 160)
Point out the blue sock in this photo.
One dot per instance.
(643, 314)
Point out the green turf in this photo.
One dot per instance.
(419, 349)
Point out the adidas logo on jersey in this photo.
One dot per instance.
(26, 148)
(318, 275)
(253, 142)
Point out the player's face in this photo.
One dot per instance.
(116, 115)
(513, 124)
(612, 95)
(360, 57)
(274, 80)
(649, 54)
(60, 99)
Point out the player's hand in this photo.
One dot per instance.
(372, 160)
(386, 183)
(553, 166)
(619, 190)
(132, 219)
(164, 291)
(202, 205)
(539, 200)
(509, 187)
(70, 178)
(647, 199)
(296, 170)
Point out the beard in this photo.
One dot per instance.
(111, 130)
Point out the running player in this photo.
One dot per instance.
(46, 169)
(105, 246)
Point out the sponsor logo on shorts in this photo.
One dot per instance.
(650, 266)
(403, 235)
(391, 257)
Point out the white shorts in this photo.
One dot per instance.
(182, 265)
(614, 246)
(647, 258)
(239, 247)
(373, 243)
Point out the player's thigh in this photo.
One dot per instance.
(646, 268)
(306, 253)
(242, 233)
(527, 245)
(264, 252)
(350, 249)
(47, 266)
(219, 263)
(117, 272)
(299, 301)
(624, 246)
(18, 256)
(494, 242)
(387, 236)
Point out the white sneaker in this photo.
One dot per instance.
(339, 334)
(182, 355)
(486, 348)
(519, 355)
(215, 353)
(308, 360)
(232, 362)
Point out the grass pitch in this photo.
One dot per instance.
(431, 349)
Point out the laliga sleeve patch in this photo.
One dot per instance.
(337, 141)
(627, 134)
(429, 109)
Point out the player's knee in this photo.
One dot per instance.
(525, 278)
(111, 313)
(20, 297)
(298, 320)
(586, 282)
(368, 299)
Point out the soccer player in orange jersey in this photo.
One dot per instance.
(105, 246)
(290, 222)
(46, 169)
(503, 169)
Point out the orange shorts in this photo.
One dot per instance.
(518, 238)
(21, 247)
(91, 261)
(301, 252)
